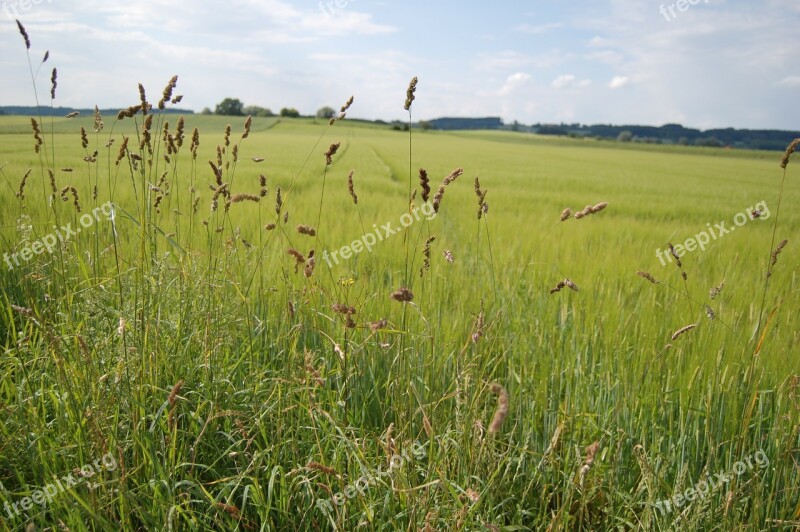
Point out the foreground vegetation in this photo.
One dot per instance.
(198, 367)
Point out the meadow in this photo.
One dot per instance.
(195, 363)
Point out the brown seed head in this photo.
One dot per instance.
(166, 95)
(412, 88)
(331, 152)
(306, 230)
(174, 393)
(425, 183)
(53, 84)
(236, 198)
(378, 325)
(403, 295)
(24, 34)
(502, 408)
(351, 187)
(683, 330)
(789, 151)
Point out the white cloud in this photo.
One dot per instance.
(617, 82)
(567, 81)
(513, 82)
(790, 81)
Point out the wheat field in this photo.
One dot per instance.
(197, 358)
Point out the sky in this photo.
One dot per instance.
(700, 63)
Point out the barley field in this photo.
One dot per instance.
(220, 323)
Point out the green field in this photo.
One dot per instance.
(225, 389)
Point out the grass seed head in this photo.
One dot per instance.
(501, 411)
(412, 88)
(789, 151)
(24, 35)
(403, 295)
(683, 330)
(647, 276)
(351, 187)
(306, 230)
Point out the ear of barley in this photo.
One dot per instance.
(566, 214)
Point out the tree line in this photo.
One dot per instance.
(235, 107)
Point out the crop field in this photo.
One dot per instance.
(229, 332)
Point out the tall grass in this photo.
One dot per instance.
(240, 381)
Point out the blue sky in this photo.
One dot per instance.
(714, 63)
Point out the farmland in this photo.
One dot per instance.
(236, 380)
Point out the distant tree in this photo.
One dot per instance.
(326, 112)
(290, 112)
(424, 125)
(552, 130)
(711, 142)
(205, 111)
(230, 107)
(683, 141)
(625, 136)
(515, 126)
(255, 110)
